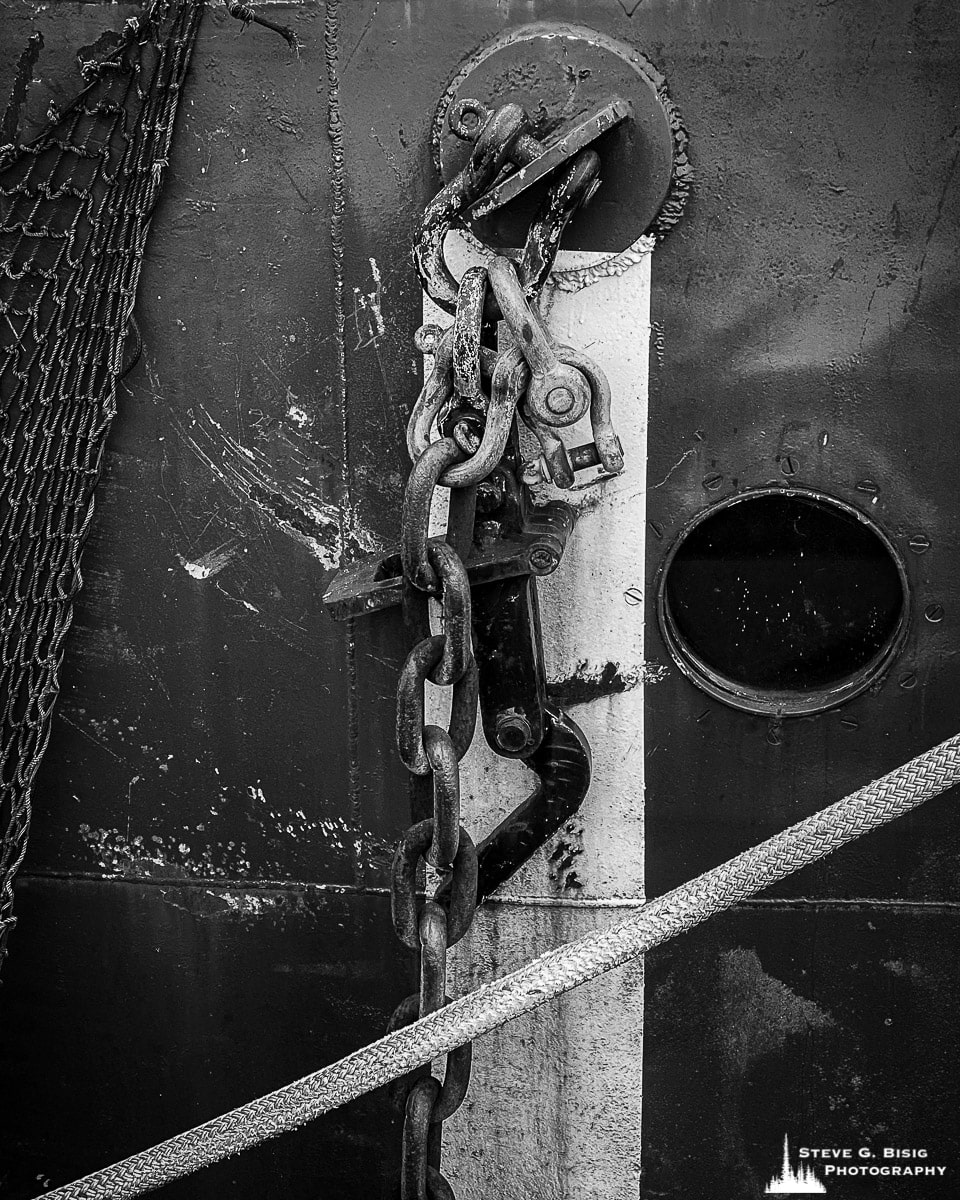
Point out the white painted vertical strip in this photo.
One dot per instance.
(554, 1107)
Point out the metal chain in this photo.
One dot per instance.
(432, 567)
(476, 423)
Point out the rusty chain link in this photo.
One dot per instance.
(470, 398)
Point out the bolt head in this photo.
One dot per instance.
(543, 560)
(513, 732)
(559, 400)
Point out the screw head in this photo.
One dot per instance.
(908, 680)
(933, 613)
(513, 732)
(712, 482)
(790, 464)
(427, 338)
(919, 543)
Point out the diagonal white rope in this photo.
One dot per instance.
(527, 988)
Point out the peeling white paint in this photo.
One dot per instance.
(120, 855)
(368, 311)
(246, 904)
(210, 563)
(375, 296)
(194, 854)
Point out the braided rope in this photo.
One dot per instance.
(530, 986)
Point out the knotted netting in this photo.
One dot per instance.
(75, 209)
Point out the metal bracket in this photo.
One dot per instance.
(536, 159)
(563, 766)
(536, 549)
(507, 644)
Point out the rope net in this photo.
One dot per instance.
(75, 209)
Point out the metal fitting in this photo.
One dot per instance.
(513, 732)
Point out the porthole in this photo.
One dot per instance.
(783, 601)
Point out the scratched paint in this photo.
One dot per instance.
(253, 474)
(208, 564)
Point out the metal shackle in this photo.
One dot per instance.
(489, 155)
(558, 393)
(438, 389)
(556, 465)
(509, 379)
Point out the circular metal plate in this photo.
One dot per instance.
(558, 73)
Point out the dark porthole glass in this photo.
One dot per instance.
(783, 601)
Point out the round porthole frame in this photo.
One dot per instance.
(767, 701)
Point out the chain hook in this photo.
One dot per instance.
(504, 135)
